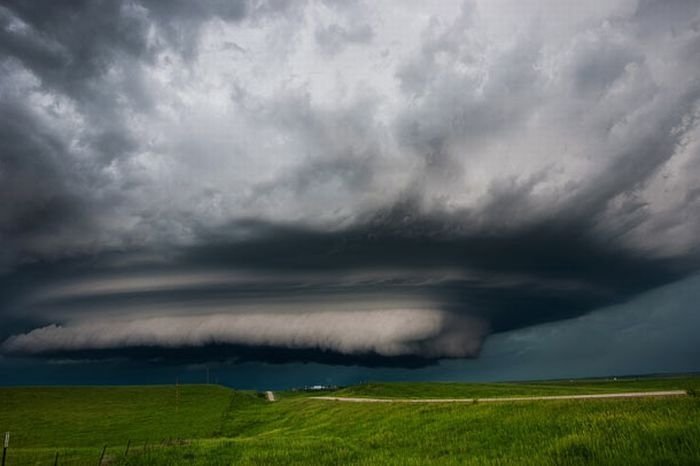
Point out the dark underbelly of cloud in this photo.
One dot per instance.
(385, 293)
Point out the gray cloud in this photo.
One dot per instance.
(491, 162)
(333, 39)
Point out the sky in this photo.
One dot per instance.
(300, 192)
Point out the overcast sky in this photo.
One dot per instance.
(371, 184)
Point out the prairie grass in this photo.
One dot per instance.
(217, 426)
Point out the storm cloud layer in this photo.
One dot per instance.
(290, 180)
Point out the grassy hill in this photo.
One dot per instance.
(80, 420)
(215, 425)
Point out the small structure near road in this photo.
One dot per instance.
(316, 388)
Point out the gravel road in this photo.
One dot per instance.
(519, 398)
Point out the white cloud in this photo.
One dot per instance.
(388, 332)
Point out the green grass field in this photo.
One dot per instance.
(216, 425)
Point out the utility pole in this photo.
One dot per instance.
(177, 394)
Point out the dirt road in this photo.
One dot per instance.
(519, 398)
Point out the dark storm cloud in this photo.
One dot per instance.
(69, 47)
(334, 185)
(73, 78)
(33, 213)
(550, 273)
(67, 42)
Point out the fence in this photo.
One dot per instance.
(79, 456)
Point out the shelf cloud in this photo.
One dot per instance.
(385, 333)
(348, 178)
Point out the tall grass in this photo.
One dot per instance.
(217, 426)
(303, 431)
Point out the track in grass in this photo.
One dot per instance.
(519, 398)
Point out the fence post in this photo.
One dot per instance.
(5, 445)
(102, 455)
(128, 443)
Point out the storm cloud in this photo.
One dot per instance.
(374, 182)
